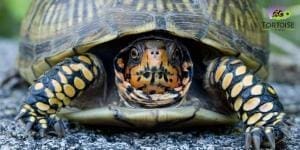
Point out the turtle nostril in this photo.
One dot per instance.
(157, 53)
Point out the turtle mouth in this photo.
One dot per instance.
(155, 80)
(152, 75)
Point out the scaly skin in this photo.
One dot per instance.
(254, 100)
(56, 89)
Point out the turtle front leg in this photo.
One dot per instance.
(56, 89)
(254, 100)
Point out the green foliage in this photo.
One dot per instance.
(11, 14)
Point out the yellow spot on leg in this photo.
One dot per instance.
(49, 93)
(247, 81)
(235, 61)
(43, 121)
(42, 106)
(219, 73)
(260, 123)
(32, 119)
(268, 117)
(280, 116)
(55, 101)
(44, 126)
(67, 101)
(236, 89)
(85, 59)
(237, 104)
(62, 78)
(240, 70)
(69, 90)
(56, 85)
(75, 67)
(95, 71)
(254, 118)
(67, 70)
(227, 80)
(271, 90)
(60, 96)
(87, 73)
(38, 86)
(79, 83)
(244, 117)
(266, 107)
(251, 104)
(256, 90)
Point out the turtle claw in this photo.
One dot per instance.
(255, 136)
(271, 138)
(59, 128)
(248, 140)
(38, 122)
(29, 126)
(20, 115)
(42, 132)
(256, 140)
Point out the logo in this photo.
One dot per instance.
(278, 19)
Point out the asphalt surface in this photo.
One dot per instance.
(12, 135)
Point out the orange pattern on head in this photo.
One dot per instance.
(154, 74)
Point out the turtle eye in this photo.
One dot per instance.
(134, 54)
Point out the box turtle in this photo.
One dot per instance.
(148, 64)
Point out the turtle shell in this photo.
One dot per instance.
(53, 30)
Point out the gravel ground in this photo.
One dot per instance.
(12, 135)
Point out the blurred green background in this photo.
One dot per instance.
(12, 12)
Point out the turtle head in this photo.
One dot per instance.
(153, 72)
